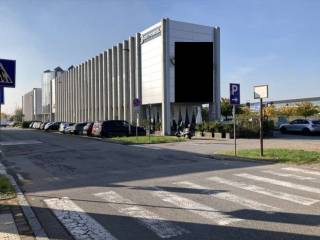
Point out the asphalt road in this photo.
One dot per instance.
(84, 188)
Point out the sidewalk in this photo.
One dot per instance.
(17, 220)
(13, 224)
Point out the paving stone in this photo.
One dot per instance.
(8, 229)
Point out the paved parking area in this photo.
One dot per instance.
(212, 146)
(81, 188)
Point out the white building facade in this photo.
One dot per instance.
(143, 67)
(32, 105)
(48, 93)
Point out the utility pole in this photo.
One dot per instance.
(261, 92)
(261, 128)
(234, 129)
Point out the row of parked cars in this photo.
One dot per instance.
(111, 128)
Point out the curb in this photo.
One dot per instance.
(109, 140)
(35, 225)
(234, 158)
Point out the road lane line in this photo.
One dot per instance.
(80, 225)
(276, 194)
(20, 177)
(279, 182)
(160, 226)
(231, 198)
(302, 171)
(194, 207)
(289, 175)
(12, 143)
(3, 170)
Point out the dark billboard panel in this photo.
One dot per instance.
(194, 72)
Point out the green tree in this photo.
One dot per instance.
(17, 116)
(287, 111)
(306, 109)
(269, 111)
(226, 108)
(4, 116)
(205, 114)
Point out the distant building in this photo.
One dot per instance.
(286, 102)
(279, 103)
(48, 93)
(32, 105)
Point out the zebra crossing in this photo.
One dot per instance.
(195, 198)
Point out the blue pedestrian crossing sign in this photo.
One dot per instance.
(1, 95)
(234, 93)
(7, 73)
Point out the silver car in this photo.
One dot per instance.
(304, 126)
(63, 126)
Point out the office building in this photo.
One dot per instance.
(48, 93)
(32, 105)
(172, 68)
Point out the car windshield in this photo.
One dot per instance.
(316, 122)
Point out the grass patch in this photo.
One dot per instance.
(6, 189)
(146, 140)
(280, 155)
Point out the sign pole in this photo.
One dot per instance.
(261, 128)
(234, 129)
(261, 92)
(137, 126)
(0, 120)
(137, 105)
(149, 122)
(234, 100)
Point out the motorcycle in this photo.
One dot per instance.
(186, 132)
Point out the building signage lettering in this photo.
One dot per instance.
(152, 34)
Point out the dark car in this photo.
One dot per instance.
(87, 129)
(78, 128)
(52, 126)
(137, 130)
(112, 128)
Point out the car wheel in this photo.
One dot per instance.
(305, 131)
(283, 130)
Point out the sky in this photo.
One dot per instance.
(262, 42)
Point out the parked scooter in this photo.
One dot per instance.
(186, 132)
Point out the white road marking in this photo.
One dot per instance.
(160, 226)
(279, 183)
(264, 191)
(147, 147)
(3, 170)
(20, 177)
(77, 222)
(10, 143)
(302, 171)
(232, 198)
(280, 174)
(194, 207)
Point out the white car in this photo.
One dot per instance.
(304, 126)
